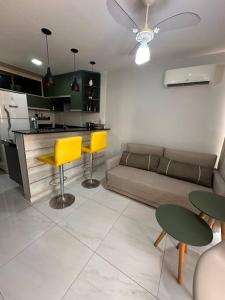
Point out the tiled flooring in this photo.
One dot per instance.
(99, 248)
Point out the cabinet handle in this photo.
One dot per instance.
(13, 106)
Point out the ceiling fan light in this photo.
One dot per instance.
(142, 54)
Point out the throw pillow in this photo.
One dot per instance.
(186, 171)
(148, 162)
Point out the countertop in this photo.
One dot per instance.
(55, 130)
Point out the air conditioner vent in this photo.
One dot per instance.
(189, 83)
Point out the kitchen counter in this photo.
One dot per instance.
(57, 130)
(36, 175)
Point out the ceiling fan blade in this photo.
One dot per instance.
(120, 15)
(178, 21)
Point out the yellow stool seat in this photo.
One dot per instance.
(98, 142)
(65, 150)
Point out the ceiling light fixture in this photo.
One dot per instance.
(48, 78)
(74, 85)
(143, 54)
(143, 38)
(36, 62)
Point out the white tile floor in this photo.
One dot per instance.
(99, 248)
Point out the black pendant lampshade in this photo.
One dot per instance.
(74, 85)
(92, 63)
(48, 78)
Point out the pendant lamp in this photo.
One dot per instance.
(74, 85)
(48, 78)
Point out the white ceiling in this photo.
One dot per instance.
(88, 26)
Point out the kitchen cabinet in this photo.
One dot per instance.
(61, 86)
(19, 83)
(36, 102)
(58, 104)
(87, 99)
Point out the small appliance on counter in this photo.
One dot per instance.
(92, 126)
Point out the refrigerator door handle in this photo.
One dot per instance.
(8, 118)
(13, 106)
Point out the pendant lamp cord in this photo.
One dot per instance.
(74, 62)
(47, 49)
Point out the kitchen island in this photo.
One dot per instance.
(36, 176)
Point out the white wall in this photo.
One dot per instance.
(140, 109)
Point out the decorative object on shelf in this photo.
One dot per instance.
(126, 16)
(91, 82)
(48, 78)
(74, 85)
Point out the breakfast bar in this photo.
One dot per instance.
(36, 176)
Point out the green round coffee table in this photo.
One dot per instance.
(210, 204)
(186, 227)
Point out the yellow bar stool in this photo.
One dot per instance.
(98, 142)
(65, 150)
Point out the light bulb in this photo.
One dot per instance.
(142, 54)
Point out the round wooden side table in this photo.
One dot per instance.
(186, 227)
(210, 204)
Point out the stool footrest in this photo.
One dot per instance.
(55, 182)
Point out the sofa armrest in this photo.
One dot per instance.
(218, 183)
(112, 162)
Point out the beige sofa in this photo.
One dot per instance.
(155, 189)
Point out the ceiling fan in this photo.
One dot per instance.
(144, 35)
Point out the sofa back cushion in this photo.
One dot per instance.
(195, 158)
(221, 165)
(185, 171)
(144, 149)
(147, 162)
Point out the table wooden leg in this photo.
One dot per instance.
(223, 231)
(182, 248)
(185, 248)
(161, 236)
(211, 222)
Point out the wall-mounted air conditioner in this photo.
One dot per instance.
(198, 75)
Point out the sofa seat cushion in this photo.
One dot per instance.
(149, 187)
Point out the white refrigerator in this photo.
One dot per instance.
(13, 116)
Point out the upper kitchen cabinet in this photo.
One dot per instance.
(19, 83)
(91, 91)
(61, 86)
(87, 99)
(40, 103)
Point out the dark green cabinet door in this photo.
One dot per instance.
(76, 100)
(58, 105)
(61, 87)
(36, 102)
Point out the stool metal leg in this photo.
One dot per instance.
(91, 183)
(63, 200)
